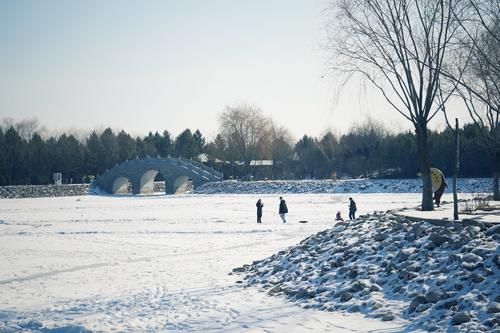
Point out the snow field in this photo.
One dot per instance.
(160, 263)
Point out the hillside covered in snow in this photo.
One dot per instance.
(437, 277)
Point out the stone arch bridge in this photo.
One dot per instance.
(142, 172)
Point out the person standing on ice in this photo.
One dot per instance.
(259, 205)
(283, 209)
(439, 192)
(352, 209)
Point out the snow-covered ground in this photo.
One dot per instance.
(464, 185)
(162, 263)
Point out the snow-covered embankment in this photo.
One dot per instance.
(387, 266)
(464, 185)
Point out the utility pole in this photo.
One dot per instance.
(455, 173)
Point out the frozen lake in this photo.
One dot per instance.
(161, 263)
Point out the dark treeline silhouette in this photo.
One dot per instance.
(367, 150)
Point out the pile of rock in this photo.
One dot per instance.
(478, 185)
(388, 267)
(40, 191)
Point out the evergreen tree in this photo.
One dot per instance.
(109, 154)
(3, 159)
(15, 158)
(308, 157)
(199, 141)
(94, 153)
(127, 149)
(186, 145)
(39, 167)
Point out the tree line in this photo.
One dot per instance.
(28, 156)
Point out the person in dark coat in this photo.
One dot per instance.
(283, 209)
(352, 209)
(439, 192)
(338, 217)
(259, 205)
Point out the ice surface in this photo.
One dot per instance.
(161, 263)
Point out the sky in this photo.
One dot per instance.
(169, 65)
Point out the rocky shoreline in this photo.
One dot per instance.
(464, 185)
(438, 278)
(42, 191)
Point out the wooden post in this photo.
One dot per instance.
(455, 173)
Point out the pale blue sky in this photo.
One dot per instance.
(156, 65)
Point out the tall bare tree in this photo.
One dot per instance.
(479, 83)
(399, 46)
(244, 129)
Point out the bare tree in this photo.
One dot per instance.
(398, 46)
(479, 83)
(244, 129)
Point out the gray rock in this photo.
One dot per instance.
(353, 273)
(355, 308)
(460, 318)
(359, 285)
(415, 302)
(493, 230)
(406, 275)
(388, 317)
(239, 269)
(422, 307)
(433, 296)
(379, 237)
(376, 306)
(438, 239)
(494, 307)
(471, 258)
(275, 290)
(477, 278)
(414, 268)
(432, 328)
(375, 287)
(496, 260)
(304, 293)
(345, 296)
(471, 265)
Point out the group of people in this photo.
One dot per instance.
(352, 211)
(283, 210)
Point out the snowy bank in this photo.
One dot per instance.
(464, 185)
(439, 278)
(41, 191)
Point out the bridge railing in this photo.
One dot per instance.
(203, 168)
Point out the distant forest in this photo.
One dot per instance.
(367, 150)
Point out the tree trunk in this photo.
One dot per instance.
(425, 168)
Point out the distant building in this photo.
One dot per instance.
(261, 162)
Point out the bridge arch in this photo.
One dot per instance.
(120, 185)
(146, 183)
(142, 172)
